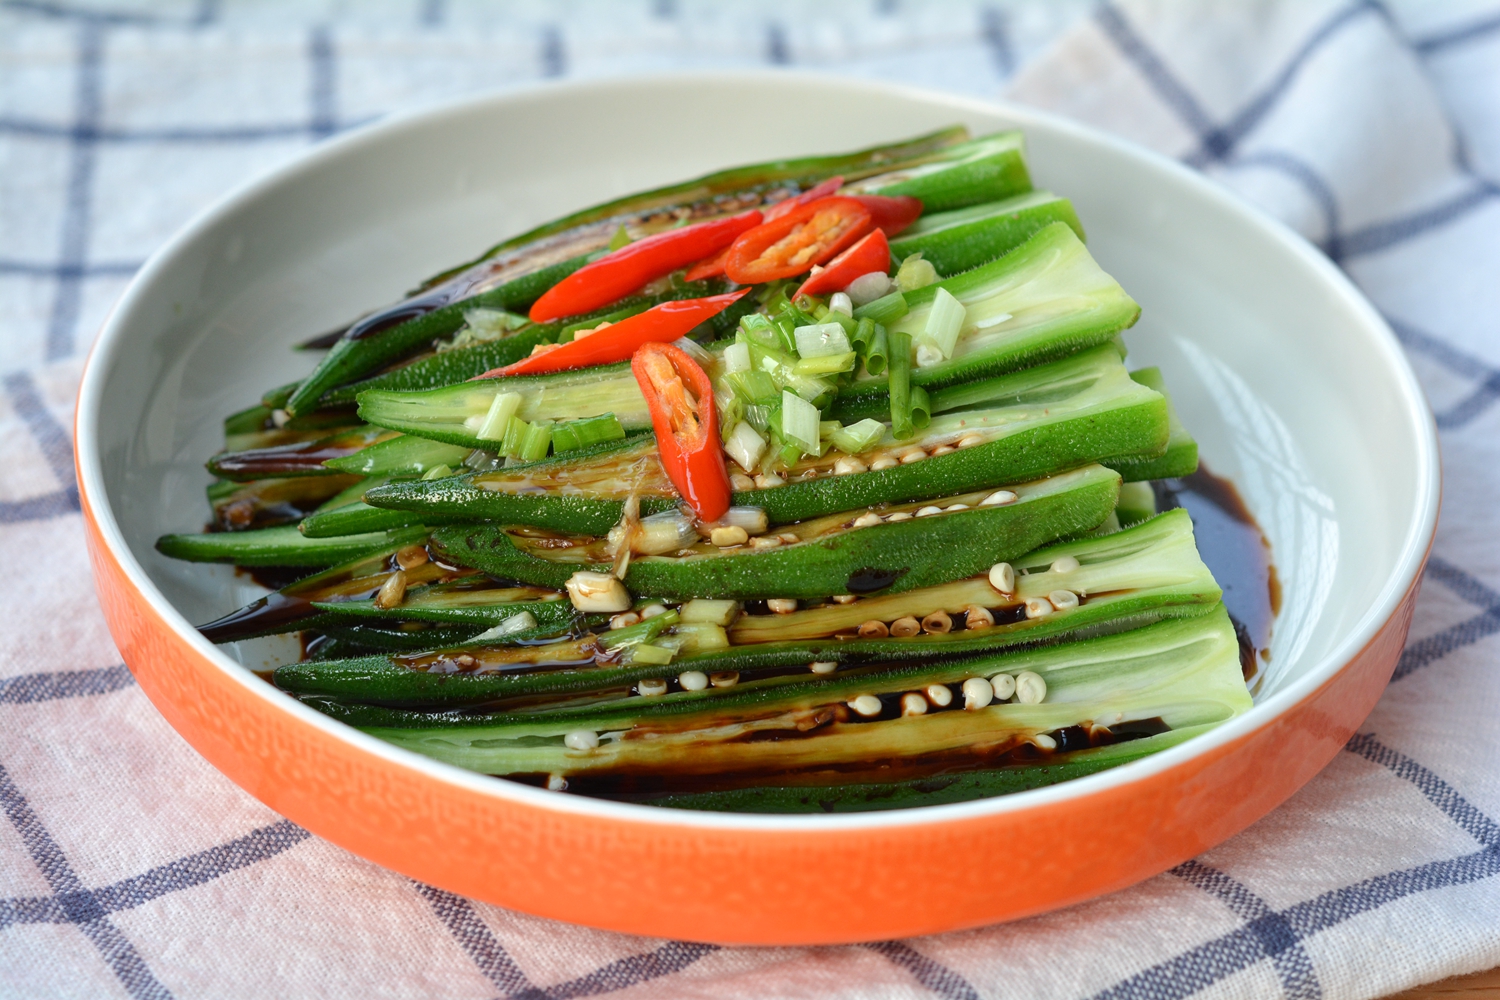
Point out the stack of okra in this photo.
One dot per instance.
(814, 485)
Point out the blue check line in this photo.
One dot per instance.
(59, 11)
(994, 26)
(1462, 34)
(1276, 932)
(929, 972)
(1467, 632)
(1465, 365)
(27, 689)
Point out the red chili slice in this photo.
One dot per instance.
(710, 268)
(628, 268)
(810, 234)
(681, 400)
(823, 190)
(891, 215)
(873, 253)
(618, 341)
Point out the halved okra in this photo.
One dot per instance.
(264, 503)
(889, 548)
(282, 546)
(1091, 410)
(1185, 673)
(929, 790)
(516, 272)
(1135, 577)
(304, 458)
(1044, 300)
(1181, 456)
(963, 239)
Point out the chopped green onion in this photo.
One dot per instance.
(515, 437)
(921, 408)
(703, 609)
(799, 423)
(519, 622)
(939, 337)
(538, 439)
(884, 310)
(863, 336)
(737, 358)
(859, 437)
(698, 637)
(877, 358)
(821, 341)
(756, 386)
(651, 655)
(900, 385)
(437, 472)
(746, 445)
(497, 420)
(620, 239)
(757, 329)
(570, 435)
(640, 632)
(915, 273)
(828, 365)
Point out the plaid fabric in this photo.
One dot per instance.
(128, 866)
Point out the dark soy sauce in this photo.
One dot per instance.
(1236, 551)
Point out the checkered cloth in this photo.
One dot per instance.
(128, 866)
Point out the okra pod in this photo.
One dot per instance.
(307, 458)
(281, 546)
(265, 503)
(1095, 411)
(1180, 458)
(854, 552)
(957, 241)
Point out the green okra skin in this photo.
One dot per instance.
(1144, 574)
(400, 455)
(1181, 457)
(448, 367)
(303, 459)
(459, 604)
(282, 546)
(1087, 408)
(1013, 318)
(834, 557)
(986, 169)
(1183, 673)
(265, 503)
(359, 518)
(399, 640)
(351, 358)
(926, 791)
(958, 241)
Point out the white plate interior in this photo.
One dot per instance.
(1281, 371)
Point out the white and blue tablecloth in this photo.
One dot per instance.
(129, 867)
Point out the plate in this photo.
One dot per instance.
(1292, 383)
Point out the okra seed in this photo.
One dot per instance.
(766, 480)
(940, 695)
(913, 704)
(692, 680)
(556, 783)
(411, 557)
(465, 661)
(883, 462)
(581, 739)
(1004, 685)
(905, 627)
(652, 610)
(999, 498)
(1038, 607)
(823, 666)
(1063, 600)
(279, 418)
(766, 542)
(977, 693)
(788, 538)
(911, 455)
(957, 506)
(900, 515)
(929, 511)
(977, 617)
(729, 535)
(867, 705)
(1003, 577)
(651, 687)
(392, 591)
(1030, 688)
(970, 440)
(847, 464)
(782, 605)
(1064, 564)
(590, 591)
(724, 679)
(844, 598)
(1044, 742)
(741, 482)
(624, 619)
(868, 519)
(873, 629)
(937, 623)
(943, 449)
